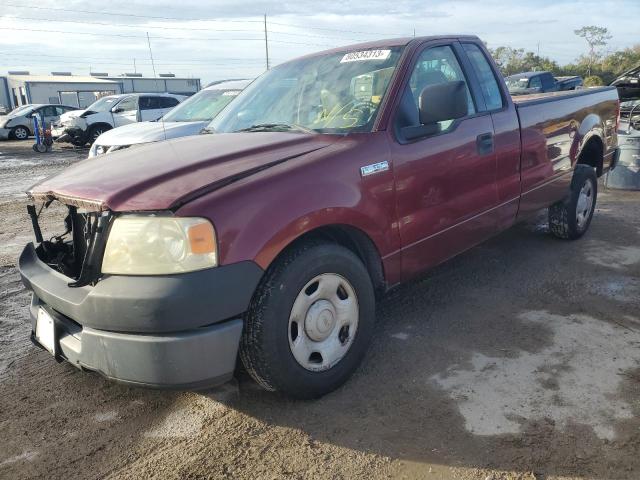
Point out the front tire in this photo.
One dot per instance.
(96, 131)
(20, 133)
(570, 218)
(310, 322)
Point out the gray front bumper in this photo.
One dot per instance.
(198, 358)
(4, 133)
(172, 331)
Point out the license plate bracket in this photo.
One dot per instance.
(45, 333)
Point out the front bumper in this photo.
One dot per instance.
(179, 331)
(4, 133)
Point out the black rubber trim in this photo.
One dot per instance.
(145, 304)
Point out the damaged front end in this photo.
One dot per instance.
(76, 250)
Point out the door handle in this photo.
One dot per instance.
(484, 143)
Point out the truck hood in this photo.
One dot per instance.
(145, 132)
(165, 175)
(628, 84)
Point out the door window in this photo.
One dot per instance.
(486, 77)
(129, 104)
(48, 111)
(435, 65)
(168, 102)
(149, 103)
(535, 83)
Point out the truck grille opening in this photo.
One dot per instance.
(70, 240)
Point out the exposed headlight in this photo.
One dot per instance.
(155, 245)
(4, 123)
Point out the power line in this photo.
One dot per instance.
(133, 15)
(120, 35)
(220, 61)
(162, 27)
(305, 27)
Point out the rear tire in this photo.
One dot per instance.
(570, 218)
(310, 322)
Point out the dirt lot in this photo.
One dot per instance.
(517, 360)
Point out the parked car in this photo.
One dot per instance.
(628, 84)
(18, 124)
(188, 118)
(327, 181)
(82, 126)
(540, 82)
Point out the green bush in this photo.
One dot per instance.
(593, 81)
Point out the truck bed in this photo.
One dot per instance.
(555, 127)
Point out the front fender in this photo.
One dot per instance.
(257, 217)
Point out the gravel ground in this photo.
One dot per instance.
(519, 359)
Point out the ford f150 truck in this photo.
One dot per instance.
(329, 180)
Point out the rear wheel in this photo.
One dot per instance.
(20, 133)
(310, 322)
(570, 218)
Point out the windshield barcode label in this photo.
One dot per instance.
(366, 55)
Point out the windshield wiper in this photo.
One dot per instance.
(276, 127)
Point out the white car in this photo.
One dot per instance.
(188, 118)
(82, 126)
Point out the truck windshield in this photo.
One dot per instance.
(331, 93)
(202, 107)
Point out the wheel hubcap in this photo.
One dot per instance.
(585, 204)
(323, 322)
(20, 133)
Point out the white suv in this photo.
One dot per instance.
(82, 126)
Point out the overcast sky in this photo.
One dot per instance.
(225, 38)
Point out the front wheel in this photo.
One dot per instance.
(570, 218)
(311, 321)
(20, 133)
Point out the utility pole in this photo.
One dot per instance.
(414, 33)
(266, 41)
(134, 66)
(538, 48)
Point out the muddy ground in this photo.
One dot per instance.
(519, 359)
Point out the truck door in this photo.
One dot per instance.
(506, 130)
(445, 181)
(125, 112)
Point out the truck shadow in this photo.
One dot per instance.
(504, 358)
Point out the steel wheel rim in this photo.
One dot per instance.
(323, 322)
(97, 133)
(20, 133)
(585, 203)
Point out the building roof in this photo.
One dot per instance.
(59, 79)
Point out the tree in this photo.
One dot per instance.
(595, 37)
(516, 60)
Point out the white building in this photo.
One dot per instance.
(20, 88)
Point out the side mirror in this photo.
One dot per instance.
(443, 101)
(117, 110)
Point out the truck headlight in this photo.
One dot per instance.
(155, 245)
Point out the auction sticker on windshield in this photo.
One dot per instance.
(231, 93)
(366, 55)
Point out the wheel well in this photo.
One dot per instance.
(358, 242)
(99, 124)
(592, 154)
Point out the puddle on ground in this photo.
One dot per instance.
(573, 380)
(605, 254)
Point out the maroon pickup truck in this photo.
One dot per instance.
(268, 238)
